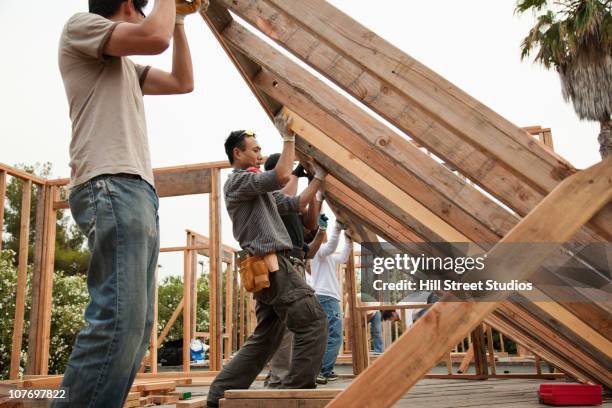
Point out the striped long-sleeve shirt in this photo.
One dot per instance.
(255, 206)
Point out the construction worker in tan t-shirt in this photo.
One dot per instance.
(112, 196)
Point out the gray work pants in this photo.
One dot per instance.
(280, 363)
(288, 302)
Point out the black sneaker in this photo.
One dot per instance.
(332, 377)
(321, 380)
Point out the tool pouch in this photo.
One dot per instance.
(254, 274)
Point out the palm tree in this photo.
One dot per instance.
(575, 37)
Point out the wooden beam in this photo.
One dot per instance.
(46, 289)
(229, 303)
(37, 276)
(216, 291)
(482, 145)
(22, 276)
(387, 152)
(20, 174)
(153, 346)
(194, 285)
(480, 358)
(186, 311)
(357, 327)
(342, 163)
(2, 198)
(556, 219)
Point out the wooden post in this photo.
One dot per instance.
(22, 270)
(215, 256)
(491, 349)
(46, 289)
(359, 345)
(186, 310)
(2, 197)
(229, 291)
(194, 284)
(538, 364)
(153, 347)
(235, 304)
(480, 358)
(32, 366)
(501, 343)
(251, 316)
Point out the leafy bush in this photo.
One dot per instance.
(69, 300)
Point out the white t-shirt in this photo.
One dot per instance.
(323, 265)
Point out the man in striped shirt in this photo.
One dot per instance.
(254, 205)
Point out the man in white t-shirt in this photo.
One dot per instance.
(112, 197)
(325, 283)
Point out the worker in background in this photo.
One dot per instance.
(254, 205)
(112, 198)
(325, 283)
(296, 225)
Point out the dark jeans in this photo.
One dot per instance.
(290, 302)
(119, 217)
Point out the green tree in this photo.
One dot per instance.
(575, 37)
(170, 293)
(70, 298)
(70, 254)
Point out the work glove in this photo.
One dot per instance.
(282, 123)
(320, 196)
(186, 7)
(299, 171)
(323, 222)
(319, 172)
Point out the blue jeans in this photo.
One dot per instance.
(376, 332)
(119, 217)
(331, 306)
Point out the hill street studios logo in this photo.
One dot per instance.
(392, 275)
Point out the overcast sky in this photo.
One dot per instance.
(473, 43)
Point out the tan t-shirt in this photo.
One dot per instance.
(109, 131)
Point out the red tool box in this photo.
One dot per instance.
(570, 394)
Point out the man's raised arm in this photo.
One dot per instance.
(150, 37)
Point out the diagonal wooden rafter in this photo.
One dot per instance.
(478, 142)
(558, 217)
(251, 77)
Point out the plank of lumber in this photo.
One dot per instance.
(32, 365)
(192, 403)
(216, 288)
(176, 374)
(2, 199)
(163, 399)
(283, 394)
(273, 403)
(22, 271)
(556, 219)
(155, 386)
(186, 311)
(20, 174)
(342, 163)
